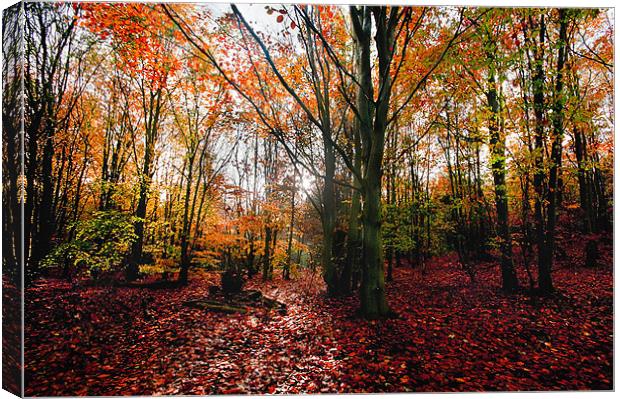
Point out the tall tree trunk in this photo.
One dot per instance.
(330, 274)
(372, 291)
(286, 274)
(185, 255)
(498, 167)
(585, 202)
(135, 257)
(46, 218)
(349, 279)
(544, 271)
(151, 130)
(373, 118)
(351, 266)
(546, 260)
(12, 200)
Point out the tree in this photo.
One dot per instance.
(13, 173)
(497, 139)
(144, 47)
(546, 186)
(50, 59)
(202, 122)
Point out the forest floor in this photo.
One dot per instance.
(450, 336)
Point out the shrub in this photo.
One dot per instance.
(101, 243)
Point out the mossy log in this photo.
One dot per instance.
(237, 303)
(215, 306)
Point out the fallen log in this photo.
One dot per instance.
(237, 303)
(251, 297)
(215, 306)
(274, 304)
(254, 295)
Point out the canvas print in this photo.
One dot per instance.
(306, 198)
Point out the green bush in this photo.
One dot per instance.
(101, 243)
(397, 229)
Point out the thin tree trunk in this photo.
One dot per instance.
(330, 274)
(544, 271)
(498, 168)
(546, 256)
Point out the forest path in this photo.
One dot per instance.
(450, 336)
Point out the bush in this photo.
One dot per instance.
(101, 243)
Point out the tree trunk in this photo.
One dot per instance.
(185, 256)
(546, 261)
(351, 268)
(584, 189)
(372, 124)
(267, 255)
(372, 291)
(498, 167)
(135, 257)
(330, 274)
(46, 219)
(289, 250)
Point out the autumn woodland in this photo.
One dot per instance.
(281, 199)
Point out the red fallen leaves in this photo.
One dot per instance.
(450, 336)
(11, 336)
